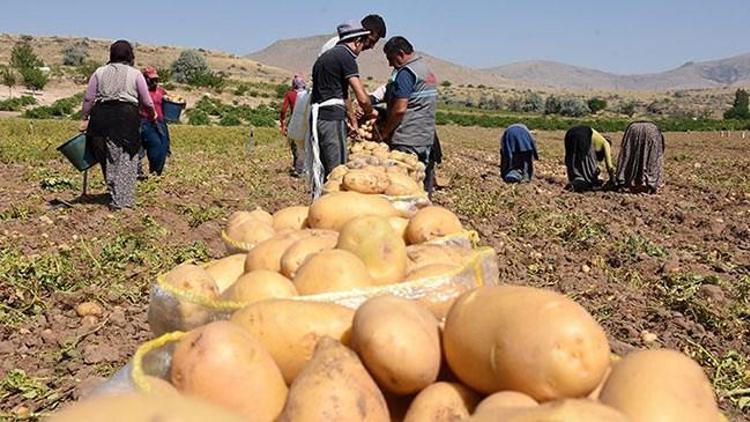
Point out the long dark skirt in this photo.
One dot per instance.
(641, 160)
(580, 159)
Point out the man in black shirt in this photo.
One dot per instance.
(333, 73)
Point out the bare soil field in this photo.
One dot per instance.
(665, 270)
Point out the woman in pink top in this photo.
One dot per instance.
(155, 134)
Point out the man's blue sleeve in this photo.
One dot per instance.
(403, 86)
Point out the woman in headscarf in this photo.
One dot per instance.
(297, 146)
(111, 121)
(585, 148)
(641, 159)
(517, 154)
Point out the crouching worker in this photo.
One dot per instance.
(641, 159)
(517, 154)
(585, 148)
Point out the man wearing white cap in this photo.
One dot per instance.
(333, 73)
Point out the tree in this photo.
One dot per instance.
(75, 55)
(9, 79)
(189, 66)
(22, 56)
(597, 104)
(552, 105)
(740, 108)
(34, 78)
(573, 107)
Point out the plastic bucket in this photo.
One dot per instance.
(76, 152)
(172, 110)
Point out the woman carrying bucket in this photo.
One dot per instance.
(154, 134)
(111, 121)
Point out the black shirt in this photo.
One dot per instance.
(330, 74)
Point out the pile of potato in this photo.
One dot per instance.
(343, 241)
(365, 131)
(504, 353)
(372, 168)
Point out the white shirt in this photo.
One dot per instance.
(329, 45)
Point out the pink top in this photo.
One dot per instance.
(157, 97)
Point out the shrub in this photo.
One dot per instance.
(230, 119)
(597, 104)
(281, 90)
(16, 104)
(75, 55)
(627, 109)
(62, 108)
(573, 107)
(241, 89)
(198, 117)
(189, 66)
(552, 105)
(165, 74)
(34, 78)
(530, 103)
(22, 56)
(9, 78)
(445, 84)
(85, 70)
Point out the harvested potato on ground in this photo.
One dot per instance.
(402, 185)
(334, 386)
(663, 385)
(332, 271)
(289, 329)
(338, 172)
(383, 252)
(267, 254)
(365, 181)
(250, 231)
(195, 280)
(397, 170)
(432, 270)
(301, 250)
(226, 271)
(504, 400)
(334, 210)
(442, 402)
(223, 364)
(578, 410)
(332, 185)
(134, 407)
(258, 214)
(399, 342)
(534, 341)
(260, 285)
(290, 218)
(398, 224)
(430, 223)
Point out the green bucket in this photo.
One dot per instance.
(76, 152)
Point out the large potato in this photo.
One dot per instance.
(504, 400)
(334, 210)
(259, 285)
(402, 185)
(331, 271)
(660, 385)
(398, 224)
(430, 223)
(334, 386)
(534, 341)
(223, 364)
(193, 280)
(267, 254)
(134, 407)
(442, 402)
(365, 181)
(290, 218)
(226, 271)
(289, 329)
(303, 249)
(373, 240)
(399, 342)
(258, 214)
(250, 231)
(578, 410)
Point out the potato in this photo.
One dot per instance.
(399, 342)
(334, 386)
(397, 170)
(578, 410)
(430, 223)
(267, 254)
(504, 400)
(155, 385)
(365, 181)
(660, 385)
(534, 341)
(143, 408)
(373, 240)
(398, 224)
(338, 172)
(302, 249)
(258, 214)
(195, 280)
(419, 256)
(334, 210)
(289, 329)
(332, 186)
(331, 271)
(432, 270)
(250, 231)
(226, 271)
(223, 364)
(290, 218)
(442, 402)
(260, 285)
(594, 395)
(402, 185)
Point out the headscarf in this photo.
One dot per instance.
(298, 84)
(121, 51)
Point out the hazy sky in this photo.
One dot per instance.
(634, 36)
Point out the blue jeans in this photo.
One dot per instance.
(155, 137)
